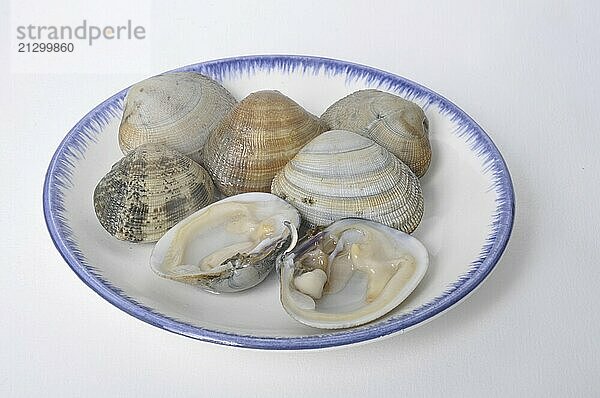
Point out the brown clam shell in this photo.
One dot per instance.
(256, 140)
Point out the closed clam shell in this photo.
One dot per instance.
(398, 125)
(178, 110)
(340, 174)
(149, 191)
(260, 135)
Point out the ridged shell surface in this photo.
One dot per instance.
(398, 125)
(340, 174)
(178, 110)
(256, 140)
(149, 191)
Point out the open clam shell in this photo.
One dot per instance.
(150, 190)
(260, 135)
(351, 273)
(178, 110)
(228, 246)
(398, 125)
(340, 174)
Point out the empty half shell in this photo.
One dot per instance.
(178, 110)
(149, 191)
(228, 246)
(260, 135)
(340, 174)
(398, 125)
(349, 274)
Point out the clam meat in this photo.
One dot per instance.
(351, 273)
(253, 142)
(150, 190)
(228, 246)
(178, 110)
(340, 174)
(398, 125)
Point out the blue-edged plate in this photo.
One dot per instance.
(469, 209)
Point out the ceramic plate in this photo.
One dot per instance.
(469, 207)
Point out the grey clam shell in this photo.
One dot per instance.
(228, 246)
(340, 174)
(398, 125)
(149, 191)
(178, 110)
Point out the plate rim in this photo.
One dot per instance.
(492, 250)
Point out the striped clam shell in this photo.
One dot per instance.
(178, 110)
(341, 174)
(149, 191)
(256, 140)
(398, 125)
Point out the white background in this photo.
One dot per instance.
(526, 71)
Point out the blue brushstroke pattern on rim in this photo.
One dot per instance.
(72, 148)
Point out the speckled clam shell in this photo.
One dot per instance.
(256, 140)
(178, 110)
(340, 174)
(149, 191)
(398, 125)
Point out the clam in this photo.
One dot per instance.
(228, 246)
(150, 190)
(340, 174)
(178, 110)
(260, 135)
(351, 273)
(398, 125)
